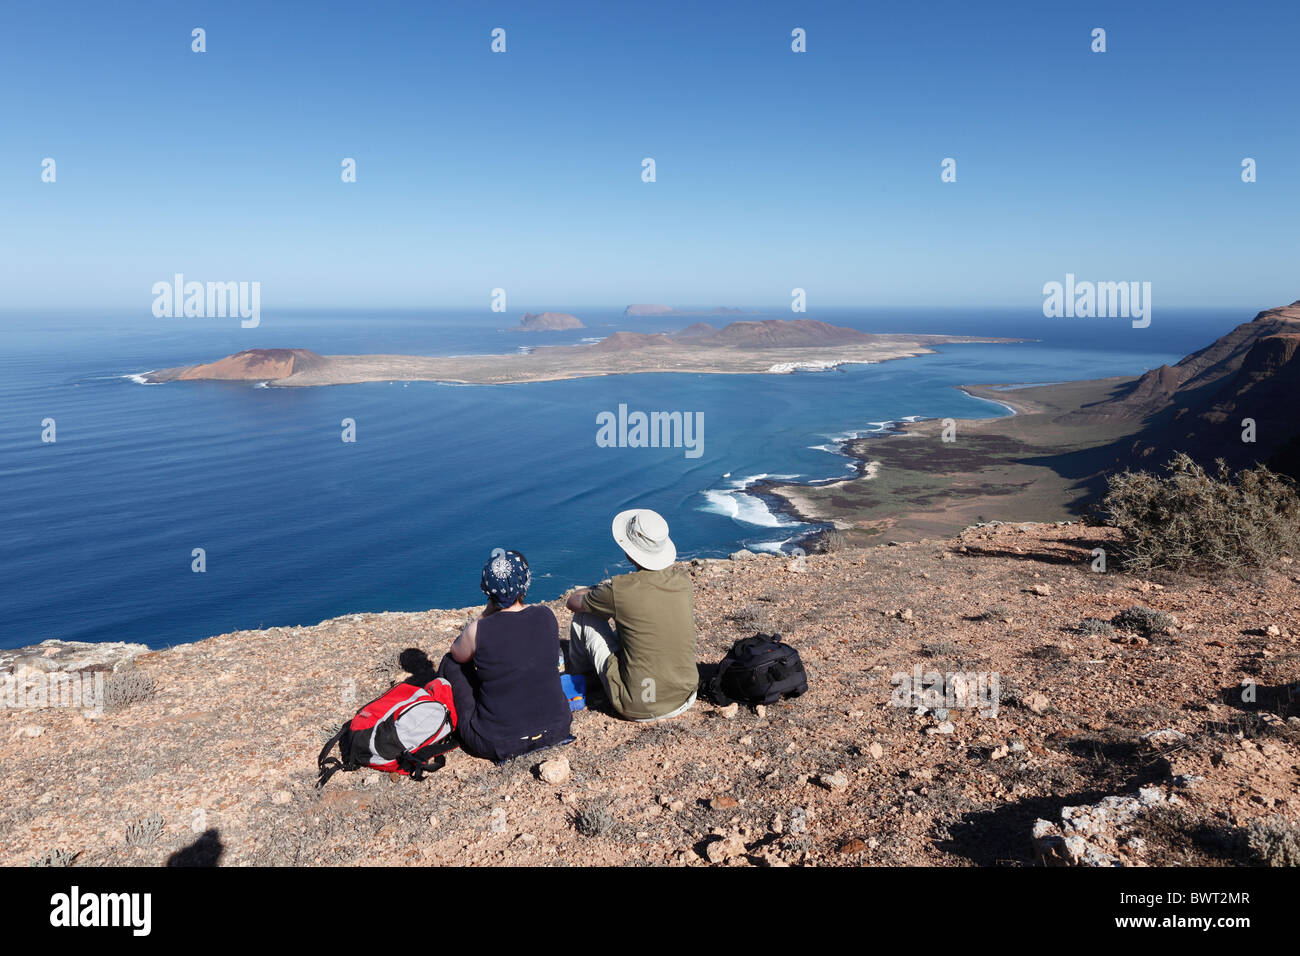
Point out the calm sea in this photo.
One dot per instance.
(297, 526)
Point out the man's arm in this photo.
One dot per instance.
(598, 600)
(574, 602)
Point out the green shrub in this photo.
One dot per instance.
(1188, 519)
(1095, 626)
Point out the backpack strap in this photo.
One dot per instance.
(328, 766)
(418, 768)
(714, 686)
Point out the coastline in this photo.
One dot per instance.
(1022, 464)
(562, 362)
(1016, 407)
(784, 498)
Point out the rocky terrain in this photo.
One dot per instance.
(1138, 722)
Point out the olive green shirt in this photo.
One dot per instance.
(654, 612)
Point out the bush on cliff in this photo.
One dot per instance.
(1188, 519)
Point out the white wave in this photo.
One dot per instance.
(879, 428)
(814, 365)
(755, 479)
(742, 507)
(138, 379)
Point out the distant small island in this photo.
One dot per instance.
(549, 322)
(772, 346)
(634, 311)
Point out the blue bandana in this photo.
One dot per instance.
(506, 577)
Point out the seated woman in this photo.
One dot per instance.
(504, 669)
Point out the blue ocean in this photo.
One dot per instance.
(296, 525)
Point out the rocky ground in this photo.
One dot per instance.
(1124, 743)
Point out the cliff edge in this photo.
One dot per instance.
(216, 764)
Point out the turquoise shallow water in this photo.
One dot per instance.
(298, 526)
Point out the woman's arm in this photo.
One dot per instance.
(462, 650)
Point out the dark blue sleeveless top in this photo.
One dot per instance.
(521, 705)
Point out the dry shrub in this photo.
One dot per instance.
(594, 822)
(832, 542)
(1142, 620)
(1191, 520)
(145, 832)
(997, 612)
(1275, 842)
(126, 687)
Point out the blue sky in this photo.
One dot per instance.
(774, 169)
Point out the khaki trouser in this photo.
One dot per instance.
(593, 641)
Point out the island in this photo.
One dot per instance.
(549, 322)
(634, 311)
(772, 346)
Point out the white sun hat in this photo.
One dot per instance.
(643, 534)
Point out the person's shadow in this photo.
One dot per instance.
(415, 662)
(205, 851)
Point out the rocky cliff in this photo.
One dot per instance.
(1202, 404)
(1134, 722)
(248, 365)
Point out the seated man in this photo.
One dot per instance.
(646, 661)
(503, 669)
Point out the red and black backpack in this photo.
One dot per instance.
(405, 731)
